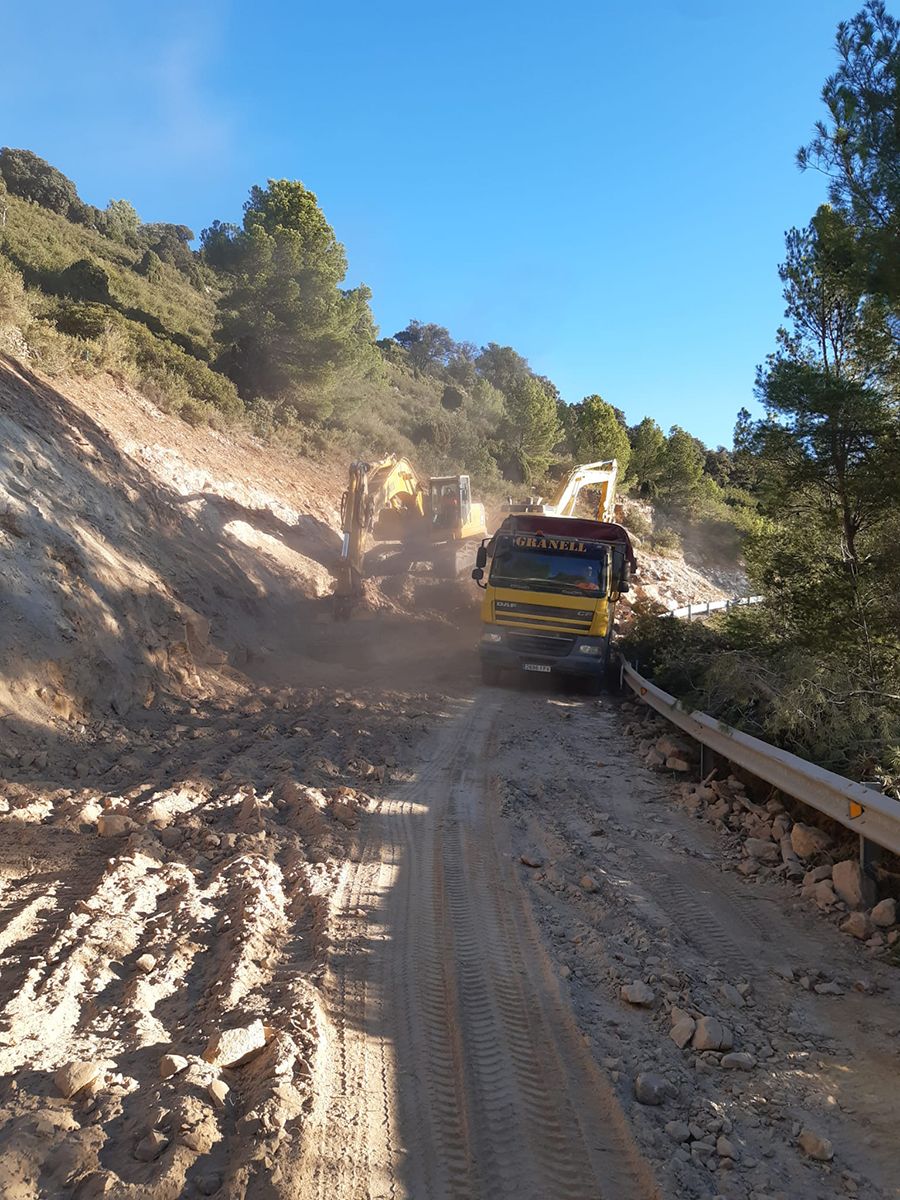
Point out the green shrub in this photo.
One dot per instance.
(13, 301)
(638, 523)
(30, 178)
(665, 541)
(150, 266)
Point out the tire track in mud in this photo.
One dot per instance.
(458, 1071)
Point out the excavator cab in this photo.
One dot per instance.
(450, 504)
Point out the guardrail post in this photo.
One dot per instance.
(869, 855)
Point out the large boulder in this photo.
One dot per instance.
(234, 1047)
(852, 884)
(808, 840)
(711, 1034)
(857, 925)
(885, 914)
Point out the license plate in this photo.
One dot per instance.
(535, 667)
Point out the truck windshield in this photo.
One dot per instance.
(543, 571)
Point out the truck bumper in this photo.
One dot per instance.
(574, 664)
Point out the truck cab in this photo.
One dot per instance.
(551, 588)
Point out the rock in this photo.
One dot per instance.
(218, 1092)
(725, 1148)
(816, 1147)
(171, 1064)
(786, 850)
(851, 883)
(588, 883)
(828, 989)
(884, 914)
(151, 1146)
(234, 1047)
(673, 747)
(732, 995)
(857, 925)
(637, 993)
(530, 860)
(146, 963)
(208, 1185)
(824, 894)
(702, 1150)
(650, 1088)
(710, 1034)
(678, 1131)
(674, 763)
(748, 866)
(738, 1061)
(682, 1031)
(807, 840)
(761, 850)
(816, 875)
(74, 1076)
(115, 825)
(94, 1186)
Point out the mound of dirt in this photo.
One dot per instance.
(138, 552)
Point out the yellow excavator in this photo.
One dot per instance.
(602, 475)
(387, 501)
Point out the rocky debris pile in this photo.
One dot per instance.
(192, 864)
(767, 841)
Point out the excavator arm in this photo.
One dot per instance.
(596, 474)
(373, 492)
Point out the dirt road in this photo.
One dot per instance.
(423, 907)
(472, 1021)
(456, 1068)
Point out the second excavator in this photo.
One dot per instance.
(431, 518)
(600, 475)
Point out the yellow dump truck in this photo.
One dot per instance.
(550, 594)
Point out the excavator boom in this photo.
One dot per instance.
(596, 474)
(387, 501)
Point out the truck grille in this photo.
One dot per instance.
(544, 646)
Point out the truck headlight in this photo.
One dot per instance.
(585, 649)
(492, 637)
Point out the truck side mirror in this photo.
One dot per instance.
(481, 559)
(478, 574)
(625, 584)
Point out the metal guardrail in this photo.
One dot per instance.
(874, 816)
(705, 607)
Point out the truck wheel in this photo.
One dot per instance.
(490, 674)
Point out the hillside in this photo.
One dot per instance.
(140, 552)
(214, 804)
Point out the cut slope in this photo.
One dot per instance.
(129, 538)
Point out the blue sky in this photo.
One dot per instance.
(603, 187)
